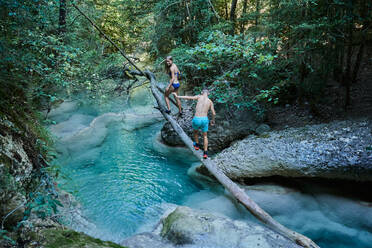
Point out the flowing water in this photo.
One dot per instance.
(116, 168)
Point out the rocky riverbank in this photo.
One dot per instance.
(337, 150)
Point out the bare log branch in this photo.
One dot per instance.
(215, 12)
(107, 38)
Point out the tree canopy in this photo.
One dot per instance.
(248, 51)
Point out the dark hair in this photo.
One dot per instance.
(167, 68)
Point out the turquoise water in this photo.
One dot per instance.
(127, 179)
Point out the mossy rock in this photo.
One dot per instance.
(59, 238)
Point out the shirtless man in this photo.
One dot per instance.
(200, 120)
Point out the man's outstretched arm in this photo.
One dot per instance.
(186, 97)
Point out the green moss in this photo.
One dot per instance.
(167, 222)
(264, 136)
(59, 238)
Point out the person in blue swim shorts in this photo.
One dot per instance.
(174, 83)
(200, 120)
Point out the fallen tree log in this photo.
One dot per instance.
(234, 189)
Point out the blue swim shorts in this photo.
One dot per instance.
(176, 85)
(200, 123)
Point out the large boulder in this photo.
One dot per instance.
(230, 126)
(187, 226)
(184, 227)
(340, 150)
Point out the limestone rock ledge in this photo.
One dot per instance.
(337, 150)
(186, 227)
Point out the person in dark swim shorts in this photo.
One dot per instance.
(200, 120)
(174, 83)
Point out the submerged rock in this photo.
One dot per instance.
(63, 111)
(189, 228)
(81, 133)
(340, 150)
(230, 126)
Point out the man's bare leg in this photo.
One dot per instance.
(205, 139)
(196, 139)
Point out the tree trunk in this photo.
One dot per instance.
(233, 15)
(347, 75)
(364, 31)
(243, 22)
(62, 16)
(234, 189)
(226, 11)
(256, 18)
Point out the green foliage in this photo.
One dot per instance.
(43, 205)
(279, 93)
(178, 22)
(234, 67)
(308, 42)
(4, 236)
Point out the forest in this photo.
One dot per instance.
(248, 51)
(254, 56)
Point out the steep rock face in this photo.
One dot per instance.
(15, 173)
(186, 227)
(230, 126)
(340, 150)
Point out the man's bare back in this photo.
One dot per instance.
(203, 105)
